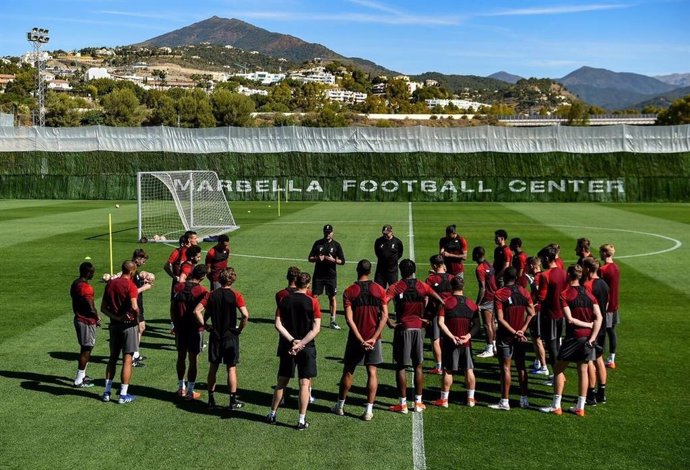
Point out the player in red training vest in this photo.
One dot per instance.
(533, 275)
(86, 320)
(583, 316)
(597, 369)
(189, 334)
(366, 312)
(439, 280)
(610, 273)
(217, 259)
(120, 305)
(410, 297)
(551, 283)
(514, 310)
(178, 256)
(486, 279)
(459, 322)
(453, 248)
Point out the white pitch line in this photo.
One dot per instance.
(418, 455)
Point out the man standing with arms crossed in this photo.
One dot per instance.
(326, 254)
(366, 313)
(389, 249)
(120, 305)
(86, 320)
(298, 321)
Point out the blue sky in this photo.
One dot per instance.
(531, 38)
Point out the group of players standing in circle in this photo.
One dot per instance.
(516, 294)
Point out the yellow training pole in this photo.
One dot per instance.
(110, 239)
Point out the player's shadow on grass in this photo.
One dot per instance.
(74, 357)
(270, 321)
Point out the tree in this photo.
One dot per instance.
(61, 110)
(232, 109)
(163, 111)
(677, 113)
(194, 109)
(122, 109)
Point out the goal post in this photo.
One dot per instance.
(171, 202)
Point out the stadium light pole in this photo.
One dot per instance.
(37, 37)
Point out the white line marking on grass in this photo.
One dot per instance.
(418, 456)
(676, 243)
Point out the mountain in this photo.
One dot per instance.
(678, 79)
(665, 99)
(242, 35)
(612, 90)
(506, 77)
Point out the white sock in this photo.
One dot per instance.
(80, 377)
(271, 413)
(340, 404)
(612, 357)
(556, 401)
(523, 398)
(108, 386)
(418, 398)
(190, 388)
(439, 365)
(580, 403)
(403, 401)
(180, 384)
(470, 393)
(444, 395)
(493, 346)
(302, 419)
(123, 389)
(135, 355)
(504, 401)
(369, 407)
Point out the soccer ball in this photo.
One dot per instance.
(156, 238)
(147, 276)
(105, 277)
(162, 238)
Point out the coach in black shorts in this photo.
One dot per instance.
(389, 249)
(326, 254)
(298, 321)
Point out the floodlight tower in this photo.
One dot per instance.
(37, 37)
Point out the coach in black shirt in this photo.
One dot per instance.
(326, 254)
(388, 249)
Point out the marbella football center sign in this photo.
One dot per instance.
(404, 188)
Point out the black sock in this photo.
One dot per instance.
(590, 393)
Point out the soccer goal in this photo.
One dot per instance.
(171, 202)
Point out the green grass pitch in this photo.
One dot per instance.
(48, 424)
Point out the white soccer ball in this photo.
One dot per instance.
(106, 277)
(162, 238)
(156, 238)
(117, 206)
(147, 276)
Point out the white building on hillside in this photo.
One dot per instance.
(94, 73)
(265, 78)
(345, 96)
(462, 104)
(251, 91)
(318, 77)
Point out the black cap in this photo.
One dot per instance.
(328, 228)
(451, 229)
(387, 229)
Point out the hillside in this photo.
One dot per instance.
(506, 77)
(665, 99)
(613, 90)
(242, 35)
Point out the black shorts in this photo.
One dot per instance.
(513, 349)
(225, 351)
(408, 347)
(612, 319)
(385, 278)
(455, 359)
(356, 355)
(535, 326)
(190, 341)
(318, 286)
(574, 350)
(304, 362)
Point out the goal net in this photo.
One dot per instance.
(172, 202)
